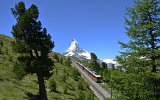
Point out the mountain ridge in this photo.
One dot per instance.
(75, 50)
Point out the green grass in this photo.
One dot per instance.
(69, 84)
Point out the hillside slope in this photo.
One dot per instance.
(69, 84)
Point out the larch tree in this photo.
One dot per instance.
(104, 65)
(141, 58)
(33, 44)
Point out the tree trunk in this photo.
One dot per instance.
(154, 69)
(42, 90)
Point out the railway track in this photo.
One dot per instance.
(96, 87)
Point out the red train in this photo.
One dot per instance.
(90, 73)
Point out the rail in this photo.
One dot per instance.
(92, 85)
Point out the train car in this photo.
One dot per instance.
(93, 75)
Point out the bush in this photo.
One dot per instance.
(52, 85)
(75, 75)
(81, 85)
(65, 89)
(81, 96)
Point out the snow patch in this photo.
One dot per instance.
(110, 62)
(86, 54)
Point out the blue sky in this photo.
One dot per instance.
(97, 25)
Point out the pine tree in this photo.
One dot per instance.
(94, 64)
(33, 45)
(104, 65)
(141, 58)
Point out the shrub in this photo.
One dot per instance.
(52, 85)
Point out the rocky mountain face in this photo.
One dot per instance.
(75, 50)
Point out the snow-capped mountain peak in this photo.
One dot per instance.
(75, 50)
(73, 46)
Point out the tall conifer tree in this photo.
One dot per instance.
(33, 44)
(94, 64)
(142, 56)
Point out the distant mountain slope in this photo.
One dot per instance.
(110, 62)
(75, 50)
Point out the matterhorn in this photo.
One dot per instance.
(76, 51)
